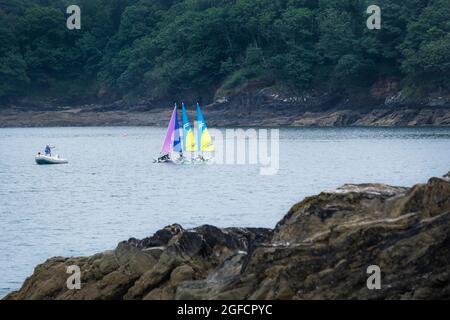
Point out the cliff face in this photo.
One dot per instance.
(320, 250)
(254, 104)
(386, 103)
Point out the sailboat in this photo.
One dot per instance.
(172, 148)
(205, 144)
(175, 144)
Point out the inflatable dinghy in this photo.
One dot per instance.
(43, 159)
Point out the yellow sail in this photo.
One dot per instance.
(207, 144)
(204, 139)
(190, 145)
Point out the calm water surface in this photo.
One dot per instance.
(110, 191)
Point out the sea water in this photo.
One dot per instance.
(111, 191)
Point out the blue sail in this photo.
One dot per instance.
(200, 125)
(177, 143)
(188, 134)
(203, 136)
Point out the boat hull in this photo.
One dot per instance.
(43, 160)
(169, 161)
(185, 161)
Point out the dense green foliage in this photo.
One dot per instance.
(161, 48)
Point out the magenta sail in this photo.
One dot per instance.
(168, 141)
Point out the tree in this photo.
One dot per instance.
(12, 65)
(426, 48)
(162, 48)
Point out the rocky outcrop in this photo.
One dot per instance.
(321, 249)
(386, 104)
(256, 103)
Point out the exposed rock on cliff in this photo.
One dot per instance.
(386, 104)
(320, 250)
(255, 104)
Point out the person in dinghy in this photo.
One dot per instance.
(163, 158)
(48, 158)
(48, 150)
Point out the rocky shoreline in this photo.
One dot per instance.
(77, 117)
(253, 105)
(321, 249)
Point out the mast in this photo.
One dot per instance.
(189, 144)
(201, 125)
(177, 142)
